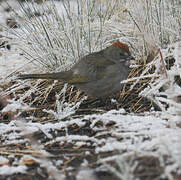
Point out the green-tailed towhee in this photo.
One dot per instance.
(98, 74)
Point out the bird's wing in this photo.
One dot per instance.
(97, 59)
(90, 68)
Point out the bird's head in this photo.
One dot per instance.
(118, 52)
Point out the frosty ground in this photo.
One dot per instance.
(99, 144)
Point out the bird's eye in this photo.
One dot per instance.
(121, 54)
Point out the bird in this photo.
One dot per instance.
(98, 74)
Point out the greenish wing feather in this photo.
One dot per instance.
(81, 80)
(78, 80)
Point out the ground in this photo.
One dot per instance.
(90, 141)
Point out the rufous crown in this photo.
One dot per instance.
(121, 45)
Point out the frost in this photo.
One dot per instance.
(14, 106)
(9, 170)
(64, 109)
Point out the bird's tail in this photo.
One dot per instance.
(64, 76)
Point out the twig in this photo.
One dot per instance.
(163, 64)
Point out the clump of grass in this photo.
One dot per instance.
(63, 32)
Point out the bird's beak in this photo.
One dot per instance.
(130, 58)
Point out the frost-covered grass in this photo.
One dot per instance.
(54, 41)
